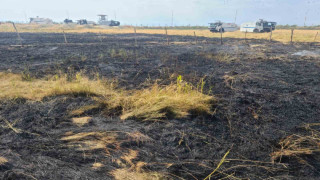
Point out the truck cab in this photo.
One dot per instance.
(216, 27)
(265, 26)
(82, 22)
(222, 27)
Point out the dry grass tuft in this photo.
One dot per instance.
(88, 141)
(81, 121)
(298, 145)
(127, 174)
(13, 86)
(131, 155)
(172, 101)
(3, 160)
(229, 80)
(97, 166)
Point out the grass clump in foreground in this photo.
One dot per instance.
(298, 146)
(120, 174)
(172, 101)
(14, 86)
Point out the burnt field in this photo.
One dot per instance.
(264, 125)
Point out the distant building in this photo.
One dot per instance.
(103, 20)
(38, 20)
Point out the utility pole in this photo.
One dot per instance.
(292, 35)
(135, 37)
(25, 16)
(172, 19)
(221, 42)
(305, 18)
(18, 34)
(235, 18)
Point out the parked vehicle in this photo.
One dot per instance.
(259, 26)
(68, 21)
(223, 27)
(82, 22)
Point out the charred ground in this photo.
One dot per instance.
(265, 93)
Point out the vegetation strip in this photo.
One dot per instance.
(173, 101)
(282, 35)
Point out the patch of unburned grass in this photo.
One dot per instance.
(172, 101)
(160, 102)
(13, 86)
(97, 165)
(134, 171)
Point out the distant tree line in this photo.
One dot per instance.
(317, 27)
(172, 27)
(298, 27)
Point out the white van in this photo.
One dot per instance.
(223, 27)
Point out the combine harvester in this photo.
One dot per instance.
(258, 27)
(223, 27)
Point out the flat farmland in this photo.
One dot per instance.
(111, 104)
(282, 35)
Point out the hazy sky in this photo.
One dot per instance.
(159, 12)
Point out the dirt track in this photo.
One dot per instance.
(264, 92)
